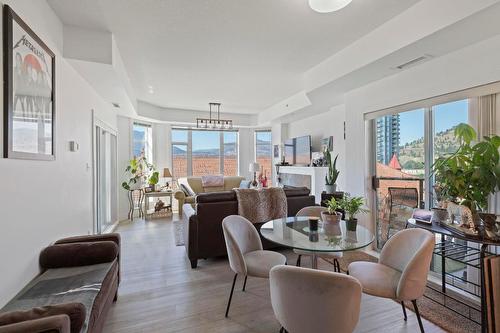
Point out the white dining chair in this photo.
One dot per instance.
(401, 272)
(316, 211)
(310, 300)
(245, 252)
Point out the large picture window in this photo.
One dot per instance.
(263, 151)
(204, 152)
(142, 141)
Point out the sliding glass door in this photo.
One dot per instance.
(406, 146)
(106, 196)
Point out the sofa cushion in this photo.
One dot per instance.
(187, 191)
(292, 191)
(245, 184)
(216, 197)
(75, 311)
(63, 285)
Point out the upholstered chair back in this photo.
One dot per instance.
(410, 252)
(311, 211)
(241, 237)
(311, 300)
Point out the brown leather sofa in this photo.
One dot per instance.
(203, 237)
(70, 268)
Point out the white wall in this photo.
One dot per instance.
(42, 201)
(320, 126)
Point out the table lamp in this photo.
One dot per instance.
(166, 174)
(254, 167)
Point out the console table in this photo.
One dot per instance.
(157, 194)
(467, 255)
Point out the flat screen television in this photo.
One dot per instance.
(298, 150)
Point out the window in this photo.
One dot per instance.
(230, 153)
(204, 152)
(142, 141)
(406, 146)
(179, 153)
(263, 151)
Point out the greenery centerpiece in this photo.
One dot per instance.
(333, 173)
(468, 176)
(352, 207)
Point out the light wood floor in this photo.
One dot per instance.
(159, 292)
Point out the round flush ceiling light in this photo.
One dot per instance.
(328, 6)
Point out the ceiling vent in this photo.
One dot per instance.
(414, 62)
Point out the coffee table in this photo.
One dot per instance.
(293, 232)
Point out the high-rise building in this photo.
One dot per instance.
(387, 138)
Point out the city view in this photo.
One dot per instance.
(401, 150)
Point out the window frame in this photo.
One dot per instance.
(270, 146)
(189, 151)
(148, 148)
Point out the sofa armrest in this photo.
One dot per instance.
(190, 224)
(78, 254)
(179, 195)
(113, 237)
(47, 318)
(59, 324)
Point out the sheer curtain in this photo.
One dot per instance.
(483, 116)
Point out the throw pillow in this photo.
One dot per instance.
(187, 191)
(245, 184)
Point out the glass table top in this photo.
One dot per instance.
(294, 232)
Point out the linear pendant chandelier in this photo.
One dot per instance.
(214, 123)
(328, 6)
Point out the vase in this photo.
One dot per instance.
(331, 188)
(328, 218)
(351, 224)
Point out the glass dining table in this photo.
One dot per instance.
(295, 233)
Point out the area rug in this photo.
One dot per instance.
(179, 232)
(429, 309)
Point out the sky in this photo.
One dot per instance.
(204, 139)
(446, 116)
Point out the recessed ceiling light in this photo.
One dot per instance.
(328, 6)
(151, 90)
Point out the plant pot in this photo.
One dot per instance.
(352, 224)
(330, 218)
(331, 188)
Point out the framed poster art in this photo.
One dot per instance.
(29, 76)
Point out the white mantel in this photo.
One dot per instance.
(317, 177)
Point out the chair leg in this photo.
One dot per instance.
(282, 329)
(245, 283)
(404, 310)
(336, 265)
(414, 302)
(231, 295)
(298, 260)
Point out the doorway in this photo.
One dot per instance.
(105, 178)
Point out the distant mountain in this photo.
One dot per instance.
(411, 155)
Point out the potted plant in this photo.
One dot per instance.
(333, 174)
(468, 176)
(138, 172)
(352, 207)
(331, 216)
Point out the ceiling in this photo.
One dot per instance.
(246, 54)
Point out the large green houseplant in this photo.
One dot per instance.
(472, 173)
(333, 173)
(138, 173)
